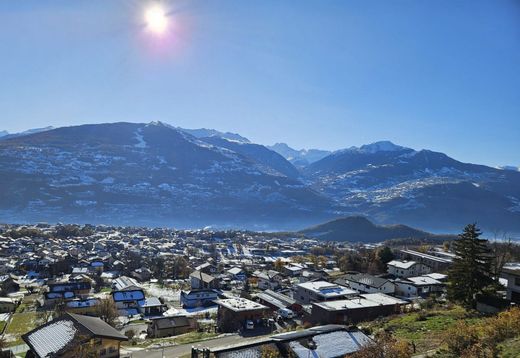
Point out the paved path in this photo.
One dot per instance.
(185, 349)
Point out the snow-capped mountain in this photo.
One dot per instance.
(206, 133)
(300, 158)
(145, 174)
(427, 189)
(157, 174)
(3, 133)
(509, 167)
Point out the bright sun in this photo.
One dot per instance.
(156, 19)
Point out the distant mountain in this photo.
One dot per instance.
(149, 174)
(7, 135)
(509, 167)
(300, 158)
(360, 229)
(205, 133)
(157, 174)
(390, 183)
(258, 153)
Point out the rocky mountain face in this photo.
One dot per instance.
(146, 174)
(156, 174)
(427, 189)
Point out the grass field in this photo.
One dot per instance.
(425, 329)
(510, 348)
(20, 323)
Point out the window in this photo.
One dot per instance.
(517, 281)
(103, 352)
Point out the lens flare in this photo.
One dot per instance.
(156, 19)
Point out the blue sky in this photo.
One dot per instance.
(439, 74)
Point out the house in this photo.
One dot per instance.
(7, 285)
(151, 306)
(198, 298)
(201, 280)
(364, 307)
(64, 291)
(405, 269)
(366, 283)
(207, 268)
(317, 291)
(128, 301)
(277, 300)
(269, 279)
(511, 272)
(73, 335)
(170, 326)
(293, 270)
(82, 306)
(125, 283)
(417, 286)
(437, 264)
(7, 305)
(237, 273)
(233, 313)
(330, 341)
(142, 274)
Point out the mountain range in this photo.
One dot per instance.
(157, 174)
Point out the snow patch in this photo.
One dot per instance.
(141, 143)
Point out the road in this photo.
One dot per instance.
(185, 349)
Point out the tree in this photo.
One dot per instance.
(385, 255)
(470, 272)
(384, 346)
(278, 265)
(107, 311)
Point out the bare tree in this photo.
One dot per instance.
(107, 311)
(501, 248)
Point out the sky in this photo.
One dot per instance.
(441, 74)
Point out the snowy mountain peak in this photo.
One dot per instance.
(206, 133)
(3, 133)
(509, 167)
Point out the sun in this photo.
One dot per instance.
(156, 19)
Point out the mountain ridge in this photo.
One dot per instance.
(155, 173)
(361, 229)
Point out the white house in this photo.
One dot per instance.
(366, 283)
(407, 268)
(417, 286)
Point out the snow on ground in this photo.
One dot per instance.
(141, 143)
(168, 294)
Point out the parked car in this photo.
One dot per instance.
(286, 313)
(250, 325)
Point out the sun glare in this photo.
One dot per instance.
(156, 19)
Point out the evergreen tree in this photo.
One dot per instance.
(471, 269)
(385, 255)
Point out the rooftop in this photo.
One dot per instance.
(240, 304)
(327, 289)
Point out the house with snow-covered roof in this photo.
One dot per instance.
(405, 268)
(73, 335)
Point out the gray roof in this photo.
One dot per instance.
(171, 322)
(365, 279)
(66, 332)
(204, 277)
